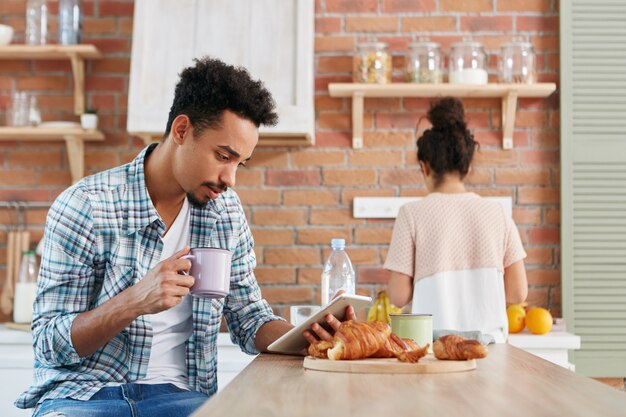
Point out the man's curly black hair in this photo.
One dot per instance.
(210, 87)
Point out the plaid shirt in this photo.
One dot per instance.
(101, 237)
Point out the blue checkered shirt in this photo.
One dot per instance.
(102, 236)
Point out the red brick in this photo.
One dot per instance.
(543, 276)
(259, 197)
(371, 235)
(334, 64)
(375, 158)
(334, 121)
(545, 138)
(358, 256)
(530, 216)
(371, 24)
(309, 275)
(34, 159)
(546, 43)
(542, 6)
(54, 178)
(397, 43)
(17, 177)
(386, 104)
(125, 26)
(109, 65)
(349, 177)
(334, 44)
(333, 217)
(269, 159)
(282, 295)
(466, 6)
(101, 160)
(351, 6)
(99, 26)
(537, 23)
(538, 196)
(291, 178)
(498, 157)
(319, 236)
(274, 275)
(279, 217)
(384, 139)
(328, 103)
(292, 256)
(429, 24)
(539, 256)
(322, 82)
(400, 177)
(272, 236)
(43, 83)
(13, 7)
(333, 139)
(310, 198)
(403, 120)
(399, 6)
(25, 195)
(318, 158)
(552, 216)
(486, 23)
(327, 24)
(544, 235)
(348, 194)
(540, 157)
(522, 176)
(111, 46)
(104, 83)
(116, 8)
(373, 276)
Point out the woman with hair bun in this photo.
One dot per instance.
(455, 254)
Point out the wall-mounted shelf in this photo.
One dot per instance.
(74, 140)
(508, 92)
(265, 139)
(77, 54)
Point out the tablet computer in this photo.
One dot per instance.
(293, 342)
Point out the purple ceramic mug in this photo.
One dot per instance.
(211, 269)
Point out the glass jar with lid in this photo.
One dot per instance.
(423, 64)
(468, 63)
(517, 63)
(372, 63)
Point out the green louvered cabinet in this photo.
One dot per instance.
(593, 181)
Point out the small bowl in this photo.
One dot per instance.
(6, 34)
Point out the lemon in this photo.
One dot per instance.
(538, 320)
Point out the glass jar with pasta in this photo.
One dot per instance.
(423, 64)
(372, 63)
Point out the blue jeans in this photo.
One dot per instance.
(128, 400)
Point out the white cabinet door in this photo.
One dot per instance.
(273, 39)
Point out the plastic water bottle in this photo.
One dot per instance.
(338, 272)
(36, 22)
(69, 22)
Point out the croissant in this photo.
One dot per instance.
(413, 355)
(357, 340)
(457, 348)
(394, 345)
(319, 349)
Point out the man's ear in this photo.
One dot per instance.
(181, 126)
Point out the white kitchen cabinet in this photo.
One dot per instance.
(16, 366)
(272, 39)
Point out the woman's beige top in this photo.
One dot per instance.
(456, 246)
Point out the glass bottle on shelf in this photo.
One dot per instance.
(36, 22)
(69, 22)
(372, 63)
(468, 63)
(423, 64)
(516, 64)
(26, 288)
(34, 116)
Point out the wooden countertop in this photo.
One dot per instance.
(509, 382)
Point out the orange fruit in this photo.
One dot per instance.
(538, 320)
(515, 314)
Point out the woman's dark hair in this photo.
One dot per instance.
(210, 87)
(448, 146)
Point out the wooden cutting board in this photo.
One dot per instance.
(426, 365)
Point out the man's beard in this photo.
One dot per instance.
(202, 203)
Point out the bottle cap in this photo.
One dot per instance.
(338, 243)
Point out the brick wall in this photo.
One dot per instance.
(298, 199)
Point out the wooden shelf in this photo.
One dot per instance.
(265, 139)
(508, 92)
(74, 138)
(77, 54)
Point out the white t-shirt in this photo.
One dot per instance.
(456, 247)
(171, 328)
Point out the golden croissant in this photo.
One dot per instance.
(357, 340)
(458, 348)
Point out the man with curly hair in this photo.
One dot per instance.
(115, 331)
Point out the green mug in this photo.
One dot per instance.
(418, 327)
